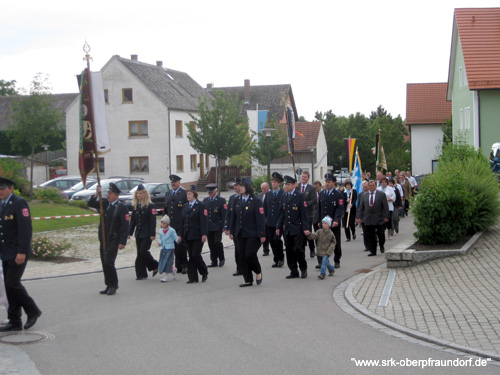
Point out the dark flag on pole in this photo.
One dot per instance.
(86, 161)
(290, 121)
(94, 138)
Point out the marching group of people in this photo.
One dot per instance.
(285, 219)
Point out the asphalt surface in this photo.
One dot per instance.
(280, 327)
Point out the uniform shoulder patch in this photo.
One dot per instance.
(341, 201)
(305, 204)
(153, 211)
(261, 210)
(225, 206)
(205, 212)
(127, 217)
(26, 212)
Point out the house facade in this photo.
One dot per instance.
(146, 107)
(426, 111)
(474, 77)
(263, 102)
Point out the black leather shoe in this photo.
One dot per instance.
(111, 291)
(318, 267)
(141, 278)
(348, 240)
(382, 249)
(281, 264)
(204, 278)
(212, 265)
(337, 265)
(222, 262)
(259, 281)
(246, 284)
(266, 253)
(313, 254)
(105, 291)
(372, 255)
(184, 271)
(292, 276)
(191, 282)
(353, 236)
(155, 272)
(11, 327)
(32, 320)
(303, 275)
(275, 265)
(237, 273)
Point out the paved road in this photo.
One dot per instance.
(281, 327)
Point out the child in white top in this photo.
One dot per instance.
(167, 237)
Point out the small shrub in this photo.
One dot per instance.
(49, 195)
(460, 198)
(44, 248)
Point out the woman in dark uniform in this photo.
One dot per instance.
(143, 221)
(248, 227)
(194, 230)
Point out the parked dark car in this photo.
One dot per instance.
(156, 191)
(124, 184)
(419, 178)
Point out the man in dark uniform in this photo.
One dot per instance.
(227, 223)
(293, 221)
(216, 207)
(332, 204)
(311, 198)
(15, 247)
(116, 225)
(272, 207)
(174, 200)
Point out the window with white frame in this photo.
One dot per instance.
(461, 119)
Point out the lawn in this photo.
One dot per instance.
(51, 209)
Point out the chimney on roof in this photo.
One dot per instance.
(159, 63)
(210, 86)
(134, 57)
(246, 91)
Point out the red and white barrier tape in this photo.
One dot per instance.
(62, 217)
(70, 216)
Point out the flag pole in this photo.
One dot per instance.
(352, 188)
(291, 147)
(86, 49)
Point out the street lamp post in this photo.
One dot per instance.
(313, 151)
(268, 133)
(46, 148)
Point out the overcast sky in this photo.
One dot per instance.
(346, 58)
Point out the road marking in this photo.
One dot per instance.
(386, 293)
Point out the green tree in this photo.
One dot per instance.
(8, 88)
(364, 129)
(34, 120)
(220, 130)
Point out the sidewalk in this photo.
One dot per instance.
(452, 302)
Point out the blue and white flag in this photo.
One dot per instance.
(357, 180)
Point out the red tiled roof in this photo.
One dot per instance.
(426, 103)
(479, 31)
(309, 137)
